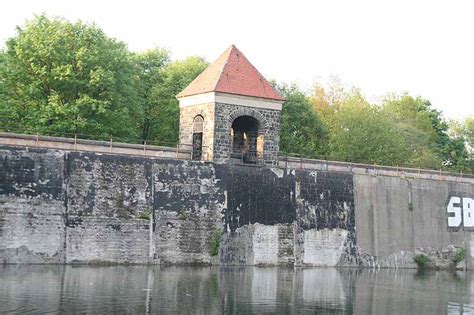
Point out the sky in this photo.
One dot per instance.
(425, 48)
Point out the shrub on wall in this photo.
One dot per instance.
(421, 260)
(215, 242)
(459, 256)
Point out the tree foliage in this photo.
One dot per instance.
(63, 77)
(403, 130)
(427, 133)
(462, 135)
(68, 77)
(302, 132)
(358, 132)
(149, 67)
(415, 122)
(464, 129)
(175, 77)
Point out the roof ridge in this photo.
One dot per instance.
(232, 47)
(232, 73)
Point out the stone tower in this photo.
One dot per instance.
(230, 113)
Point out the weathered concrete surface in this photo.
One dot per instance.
(189, 207)
(32, 206)
(106, 197)
(269, 212)
(397, 218)
(71, 207)
(323, 247)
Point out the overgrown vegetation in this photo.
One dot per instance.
(215, 242)
(459, 256)
(62, 78)
(421, 260)
(183, 214)
(145, 215)
(411, 206)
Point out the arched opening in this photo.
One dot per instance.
(246, 143)
(198, 128)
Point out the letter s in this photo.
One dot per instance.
(454, 220)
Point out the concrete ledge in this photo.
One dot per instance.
(359, 168)
(93, 146)
(184, 152)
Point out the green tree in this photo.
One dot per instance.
(469, 130)
(175, 77)
(361, 133)
(150, 66)
(68, 77)
(465, 129)
(301, 130)
(426, 130)
(462, 135)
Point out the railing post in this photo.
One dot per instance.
(75, 142)
(110, 144)
(37, 139)
(144, 148)
(301, 162)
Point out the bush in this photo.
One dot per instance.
(145, 215)
(421, 260)
(183, 214)
(459, 256)
(215, 242)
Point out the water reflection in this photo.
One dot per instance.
(246, 290)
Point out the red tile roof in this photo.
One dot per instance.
(232, 73)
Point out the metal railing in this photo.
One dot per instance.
(300, 162)
(180, 151)
(114, 145)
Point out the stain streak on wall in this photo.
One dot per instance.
(72, 207)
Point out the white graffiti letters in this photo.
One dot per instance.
(460, 210)
(454, 208)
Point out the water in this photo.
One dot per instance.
(238, 290)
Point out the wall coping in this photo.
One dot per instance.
(181, 152)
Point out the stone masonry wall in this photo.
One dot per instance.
(186, 119)
(269, 123)
(72, 207)
(32, 206)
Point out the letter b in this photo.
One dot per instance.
(468, 212)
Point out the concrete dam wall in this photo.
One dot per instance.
(71, 207)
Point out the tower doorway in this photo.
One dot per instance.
(246, 143)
